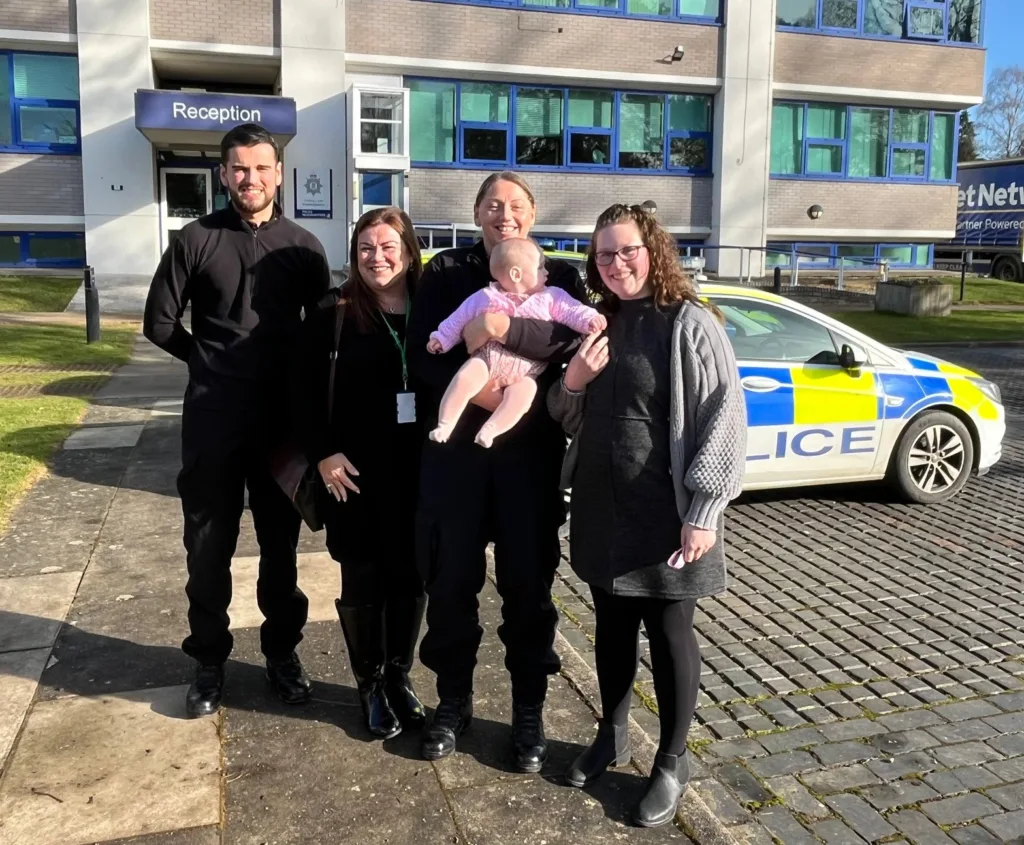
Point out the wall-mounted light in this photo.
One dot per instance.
(650, 206)
(678, 53)
(815, 212)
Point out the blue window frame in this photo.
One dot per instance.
(863, 143)
(542, 128)
(826, 256)
(39, 103)
(942, 21)
(707, 12)
(42, 249)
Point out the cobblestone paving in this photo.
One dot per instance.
(863, 677)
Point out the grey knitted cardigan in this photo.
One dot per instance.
(708, 419)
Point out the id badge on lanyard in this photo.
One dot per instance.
(405, 401)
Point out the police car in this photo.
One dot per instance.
(828, 404)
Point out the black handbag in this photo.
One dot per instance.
(300, 480)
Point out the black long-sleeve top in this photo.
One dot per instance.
(248, 286)
(452, 276)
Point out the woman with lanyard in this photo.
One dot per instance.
(508, 494)
(368, 454)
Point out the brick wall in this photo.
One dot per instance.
(40, 184)
(861, 205)
(251, 22)
(509, 36)
(884, 65)
(563, 199)
(38, 15)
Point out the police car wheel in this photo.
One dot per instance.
(934, 458)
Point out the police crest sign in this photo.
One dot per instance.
(313, 192)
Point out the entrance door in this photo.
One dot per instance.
(185, 194)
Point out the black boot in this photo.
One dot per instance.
(452, 717)
(204, 695)
(289, 679)
(665, 787)
(363, 627)
(529, 745)
(402, 618)
(610, 748)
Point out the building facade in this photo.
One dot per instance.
(820, 129)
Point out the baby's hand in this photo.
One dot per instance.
(598, 324)
(434, 346)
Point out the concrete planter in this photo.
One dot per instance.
(920, 299)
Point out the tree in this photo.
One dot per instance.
(1000, 119)
(968, 140)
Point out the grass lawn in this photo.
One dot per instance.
(61, 345)
(32, 428)
(980, 291)
(958, 326)
(37, 293)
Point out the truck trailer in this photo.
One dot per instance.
(989, 222)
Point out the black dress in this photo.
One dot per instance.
(625, 521)
(375, 525)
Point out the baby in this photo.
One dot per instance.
(518, 266)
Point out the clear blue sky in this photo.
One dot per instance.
(1003, 33)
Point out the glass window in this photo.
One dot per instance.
(787, 138)
(10, 249)
(482, 102)
(692, 153)
(690, 112)
(701, 8)
(597, 4)
(68, 248)
(6, 132)
(484, 144)
(869, 143)
(858, 256)
(641, 131)
(825, 122)
(942, 147)
(590, 110)
(810, 255)
(908, 163)
(47, 125)
(897, 254)
(657, 8)
(778, 255)
(45, 77)
(884, 17)
(964, 21)
(839, 14)
(539, 126)
(927, 20)
(762, 331)
(922, 257)
(800, 13)
(380, 120)
(432, 120)
(550, 4)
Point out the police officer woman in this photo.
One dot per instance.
(368, 454)
(471, 495)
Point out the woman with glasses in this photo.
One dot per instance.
(659, 430)
(367, 449)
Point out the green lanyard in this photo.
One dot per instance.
(400, 343)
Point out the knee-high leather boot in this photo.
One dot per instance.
(402, 618)
(363, 627)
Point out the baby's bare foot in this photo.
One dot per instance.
(441, 433)
(485, 437)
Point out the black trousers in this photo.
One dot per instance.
(386, 570)
(675, 660)
(222, 455)
(468, 496)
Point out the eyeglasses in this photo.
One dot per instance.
(626, 253)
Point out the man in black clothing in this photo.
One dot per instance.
(508, 493)
(248, 273)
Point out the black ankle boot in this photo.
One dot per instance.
(610, 748)
(529, 745)
(363, 628)
(402, 618)
(452, 717)
(205, 693)
(665, 787)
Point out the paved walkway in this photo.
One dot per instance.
(93, 744)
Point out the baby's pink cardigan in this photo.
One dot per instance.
(552, 304)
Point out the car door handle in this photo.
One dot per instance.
(760, 384)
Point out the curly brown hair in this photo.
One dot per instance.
(361, 300)
(670, 281)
